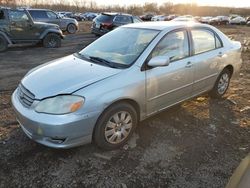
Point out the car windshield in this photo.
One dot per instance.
(120, 47)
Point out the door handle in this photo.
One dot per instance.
(189, 64)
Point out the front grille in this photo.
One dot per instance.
(25, 96)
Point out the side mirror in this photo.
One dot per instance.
(159, 61)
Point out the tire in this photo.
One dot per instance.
(52, 40)
(3, 44)
(71, 29)
(221, 84)
(115, 126)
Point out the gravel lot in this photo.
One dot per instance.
(196, 144)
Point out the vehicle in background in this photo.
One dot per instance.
(106, 22)
(206, 19)
(171, 17)
(89, 16)
(219, 20)
(147, 17)
(248, 23)
(101, 93)
(48, 16)
(184, 19)
(158, 18)
(17, 26)
(238, 21)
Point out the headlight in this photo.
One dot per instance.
(62, 104)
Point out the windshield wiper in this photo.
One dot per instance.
(104, 61)
(81, 56)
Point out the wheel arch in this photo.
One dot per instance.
(132, 102)
(6, 37)
(46, 32)
(230, 68)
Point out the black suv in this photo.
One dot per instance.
(17, 26)
(106, 22)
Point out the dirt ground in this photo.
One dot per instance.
(196, 144)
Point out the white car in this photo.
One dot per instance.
(238, 20)
(101, 93)
(158, 18)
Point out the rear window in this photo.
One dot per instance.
(105, 18)
(38, 14)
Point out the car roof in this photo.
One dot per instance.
(38, 9)
(162, 25)
(115, 14)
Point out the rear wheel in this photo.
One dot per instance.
(221, 84)
(115, 126)
(3, 44)
(71, 29)
(52, 40)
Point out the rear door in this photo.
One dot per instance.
(207, 55)
(173, 83)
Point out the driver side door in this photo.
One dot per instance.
(20, 25)
(168, 85)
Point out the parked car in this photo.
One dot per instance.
(89, 16)
(219, 20)
(206, 19)
(158, 18)
(125, 76)
(170, 17)
(17, 26)
(147, 17)
(184, 19)
(248, 23)
(106, 22)
(241, 176)
(48, 16)
(238, 20)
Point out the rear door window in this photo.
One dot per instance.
(36, 15)
(204, 40)
(123, 19)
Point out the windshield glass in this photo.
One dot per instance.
(121, 46)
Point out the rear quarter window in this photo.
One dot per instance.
(36, 15)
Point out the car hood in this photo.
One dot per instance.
(64, 76)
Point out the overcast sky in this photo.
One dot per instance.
(231, 3)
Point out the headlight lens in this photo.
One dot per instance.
(62, 104)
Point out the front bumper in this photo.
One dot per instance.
(57, 131)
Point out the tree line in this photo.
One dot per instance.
(166, 8)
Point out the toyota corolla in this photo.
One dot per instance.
(101, 93)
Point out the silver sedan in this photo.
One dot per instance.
(101, 93)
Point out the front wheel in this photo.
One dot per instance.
(115, 126)
(52, 40)
(221, 84)
(71, 29)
